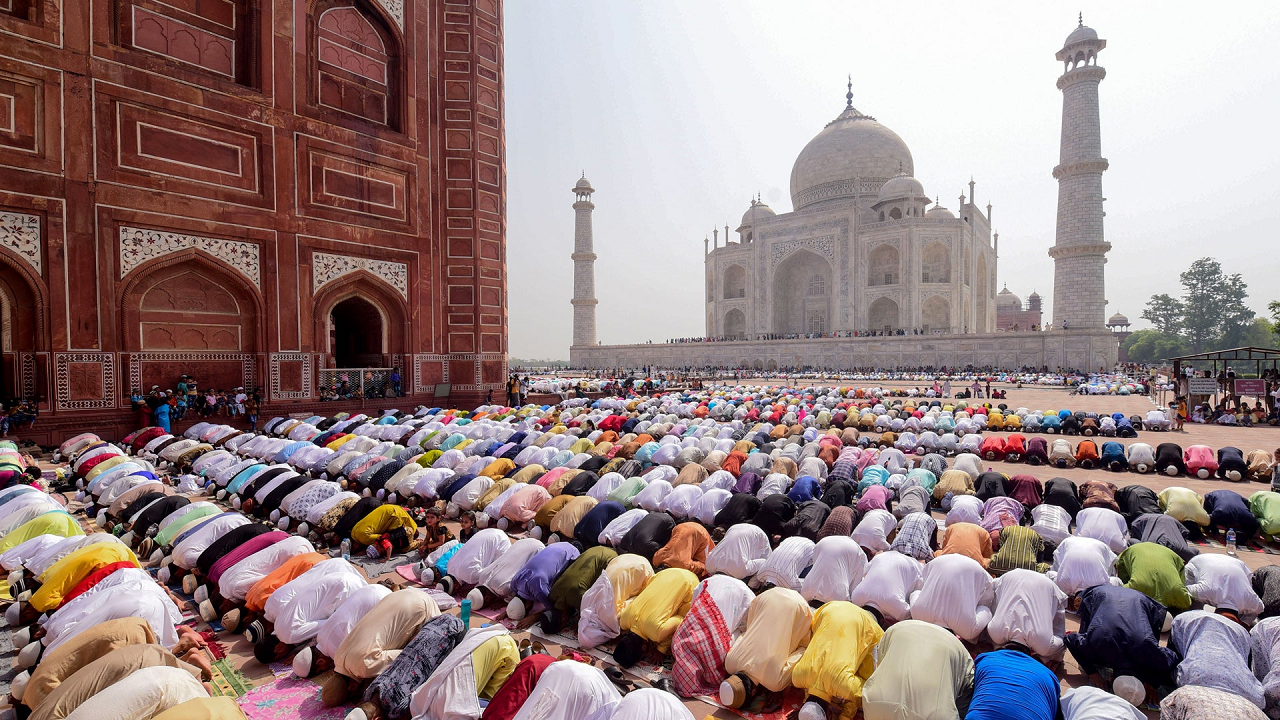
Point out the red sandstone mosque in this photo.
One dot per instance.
(251, 193)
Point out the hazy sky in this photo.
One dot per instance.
(679, 112)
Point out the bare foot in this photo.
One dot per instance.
(200, 660)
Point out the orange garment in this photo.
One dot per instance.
(687, 549)
(256, 600)
(733, 463)
(967, 539)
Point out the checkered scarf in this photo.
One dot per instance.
(699, 648)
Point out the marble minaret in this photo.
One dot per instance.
(584, 266)
(1080, 251)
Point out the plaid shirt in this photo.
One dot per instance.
(699, 648)
(917, 536)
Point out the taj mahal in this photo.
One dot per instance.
(869, 270)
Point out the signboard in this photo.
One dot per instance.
(1203, 386)
(1252, 388)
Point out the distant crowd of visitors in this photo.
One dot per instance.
(165, 407)
(17, 415)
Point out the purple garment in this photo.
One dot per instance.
(1026, 489)
(260, 542)
(991, 512)
(875, 497)
(748, 483)
(534, 580)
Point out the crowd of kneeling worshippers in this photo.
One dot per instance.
(780, 551)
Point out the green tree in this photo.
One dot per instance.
(1259, 333)
(1213, 304)
(1274, 308)
(1165, 313)
(1152, 346)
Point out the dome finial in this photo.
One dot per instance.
(848, 96)
(1081, 19)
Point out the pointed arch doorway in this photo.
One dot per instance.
(356, 333)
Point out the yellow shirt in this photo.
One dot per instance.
(839, 657)
(660, 608)
(63, 576)
(494, 661)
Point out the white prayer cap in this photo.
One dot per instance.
(516, 609)
(477, 599)
(812, 711)
(1130, 688)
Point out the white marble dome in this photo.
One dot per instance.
(853, 146)
(901, 186)
(757, 212)
(583, 184)
(1118, 319)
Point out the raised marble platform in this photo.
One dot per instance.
(1087, 350)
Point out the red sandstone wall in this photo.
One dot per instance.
(190, 187)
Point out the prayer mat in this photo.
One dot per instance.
(288, 697)
(376, 567)
(228, 681)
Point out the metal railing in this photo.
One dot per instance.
(356, 383)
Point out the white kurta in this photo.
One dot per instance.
(787, 562)
(18, 555)
(1264, 641)
(617, 528)
(498, 575)
(644, 704)
(1103, 524)
(188, 551)
(679, 503)
(149, 603)
(334, 630)
(838, 566)
(1030, 610)
(1224, 582)
(732, 597)
(1080, 563)
(450, 693)
(569, 690)
(651, 497)
(955, 593)
(43, 560)
(1091, 703)
(965, 508)
(890, 579)
(1051, 523)
(741, 553)
(873, 530)
(482, 550)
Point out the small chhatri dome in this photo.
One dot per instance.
(1004, 298)
(1034, 295)
(583, 184)
(757, 212)
(901, 185)
(939, 213)
(1081, 33)
(1118, 319)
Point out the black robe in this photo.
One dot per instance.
(275, 497)
(741, 508)
(231, 540)
(587, 531)
(355, 514)
(1120, 630)
(1135, 500)
(580, 484)
(648, 536)
(1230, 458)
(1169, 455)
(839, 492)
(774, 513)
(158, 511)
(1163, 530)
(808, 520)
(1062, 492)
(991, 484)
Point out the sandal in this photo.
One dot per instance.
(614, 673)
(526, 648)
(538, 647)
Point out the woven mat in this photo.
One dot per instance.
(228, 681)
(288, 697)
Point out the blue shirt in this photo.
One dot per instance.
(1010, 685)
